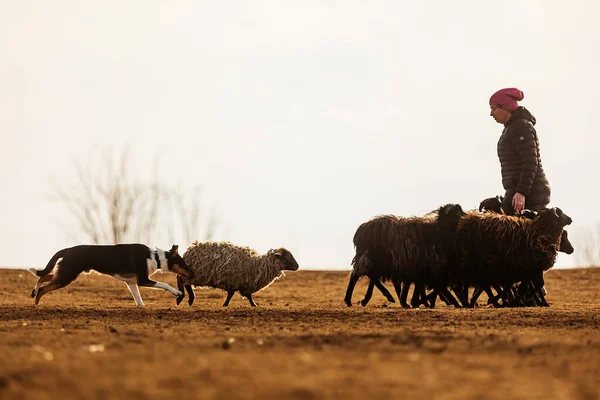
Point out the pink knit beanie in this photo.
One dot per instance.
(507, 99)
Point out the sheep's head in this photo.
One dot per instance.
(450, 213)
(492, 204)
(554, 216)
(176, 263)
(286, 258)
(565, 244)
(529, 214)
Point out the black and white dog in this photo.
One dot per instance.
(130, 263)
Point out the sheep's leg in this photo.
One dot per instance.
(542, 299)
(418, 296)
(443, 297)
(505, 292)
(369, 293)
(249, 297)
(404, 294)
(191, 294)
(514, 297)
(229, 296)
(491, 298)
(475, 296)
(351, 284)
(398, 289)
(532, 295)
(446, 293)
(540, 291)
(384, 291)
(463, 294)
(428, 300)
(180, 286)
(432, 297)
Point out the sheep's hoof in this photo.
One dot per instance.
(405, 305)
(391, 299)
(348, 303)
(363, 303)
(32, 293)
(179, 299)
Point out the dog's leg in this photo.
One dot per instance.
(135, 292)
(53, 285)
(43, 279)
(180, 286)
(159, 285)
(229, 296)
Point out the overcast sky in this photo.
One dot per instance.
(299, 119)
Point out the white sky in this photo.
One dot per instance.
(300, 119)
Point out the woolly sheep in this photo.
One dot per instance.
(495, 249)
(405, 250)
(565, 247)
(233, 268)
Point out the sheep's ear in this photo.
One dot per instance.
(174, 250)
(277, 252)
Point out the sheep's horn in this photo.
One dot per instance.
(559, 211)
(554, 212)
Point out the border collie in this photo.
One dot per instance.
(130, 263)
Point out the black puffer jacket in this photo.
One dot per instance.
(520, 161)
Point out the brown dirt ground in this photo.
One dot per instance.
(90, 341)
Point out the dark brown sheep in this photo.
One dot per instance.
(405, 250)
(495, 249)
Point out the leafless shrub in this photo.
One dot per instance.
(587, 245)
(112, 202)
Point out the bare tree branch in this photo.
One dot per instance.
(112, 204)
(587, 246)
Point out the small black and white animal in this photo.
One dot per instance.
(130, 263)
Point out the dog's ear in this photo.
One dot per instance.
(174, 250)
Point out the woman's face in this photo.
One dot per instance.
(500, 115)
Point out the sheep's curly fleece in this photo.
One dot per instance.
(496, 248)
(227, 266)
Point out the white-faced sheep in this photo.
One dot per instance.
(233, 268)
(405, 250)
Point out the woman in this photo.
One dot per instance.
(523, 177)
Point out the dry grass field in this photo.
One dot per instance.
(89, 341)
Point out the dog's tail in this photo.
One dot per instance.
(51, 264)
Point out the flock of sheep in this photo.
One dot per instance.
(443, 253)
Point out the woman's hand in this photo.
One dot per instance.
(518, 202)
